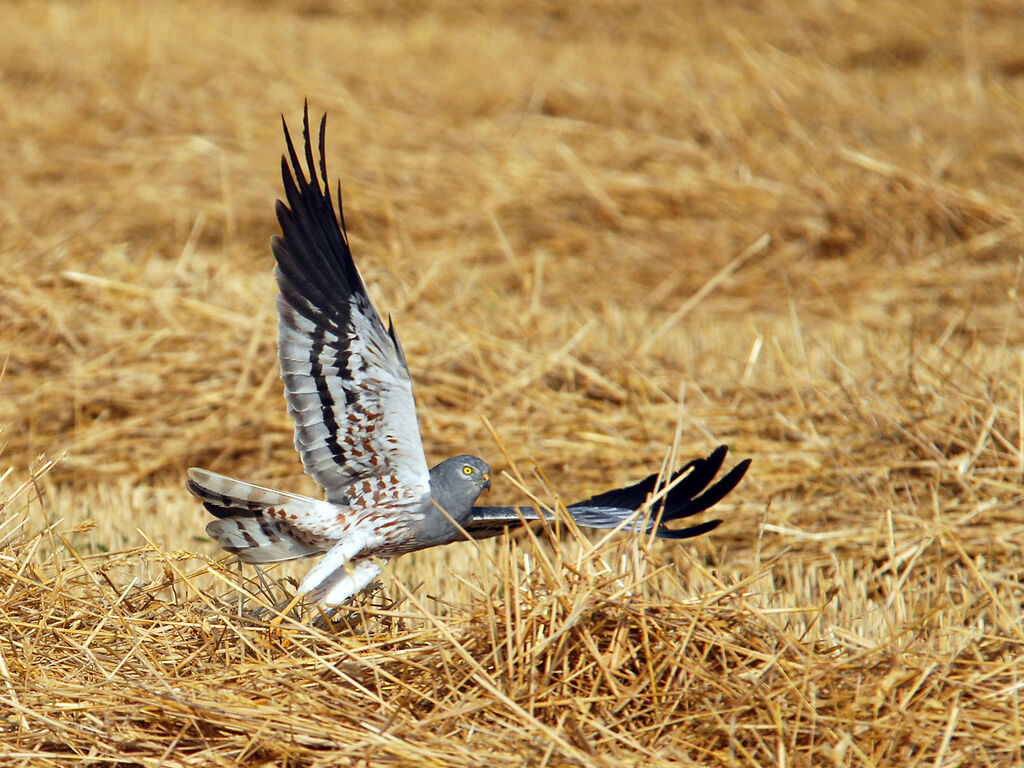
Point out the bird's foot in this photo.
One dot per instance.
(274, 630)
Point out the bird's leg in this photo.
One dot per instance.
(276, 621)
(342, 587)
(335, 560)
(350, 581)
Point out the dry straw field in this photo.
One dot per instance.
(612, 236)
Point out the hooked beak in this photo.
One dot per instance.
(487, 481)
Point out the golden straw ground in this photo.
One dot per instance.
(565, 209)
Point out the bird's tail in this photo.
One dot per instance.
(252, 521)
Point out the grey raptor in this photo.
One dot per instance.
(349, 391)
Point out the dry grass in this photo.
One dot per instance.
(562, 206)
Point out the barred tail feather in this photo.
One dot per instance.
(246, 524)
(225, 496)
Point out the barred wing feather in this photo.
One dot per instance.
(345, 376)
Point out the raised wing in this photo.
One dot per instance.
(688, 493)
(345, 377)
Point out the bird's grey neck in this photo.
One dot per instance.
(438, 525)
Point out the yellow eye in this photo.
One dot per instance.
(467, 470)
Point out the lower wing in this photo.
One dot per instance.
(689, 492)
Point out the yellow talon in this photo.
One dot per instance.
(275, 623)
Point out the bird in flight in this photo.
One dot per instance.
(349, 391)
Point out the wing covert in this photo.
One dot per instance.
(346, 381)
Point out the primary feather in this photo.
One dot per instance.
(686, 493)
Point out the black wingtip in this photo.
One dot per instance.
(688, 533)
(322, 145)
(311, 165)
(717, 456)
(341, 209)
(316, 259)
(679, 505)
(689, 493)
(691, 489)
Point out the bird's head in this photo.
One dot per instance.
(457, 482)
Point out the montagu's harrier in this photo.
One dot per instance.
(350, 394)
